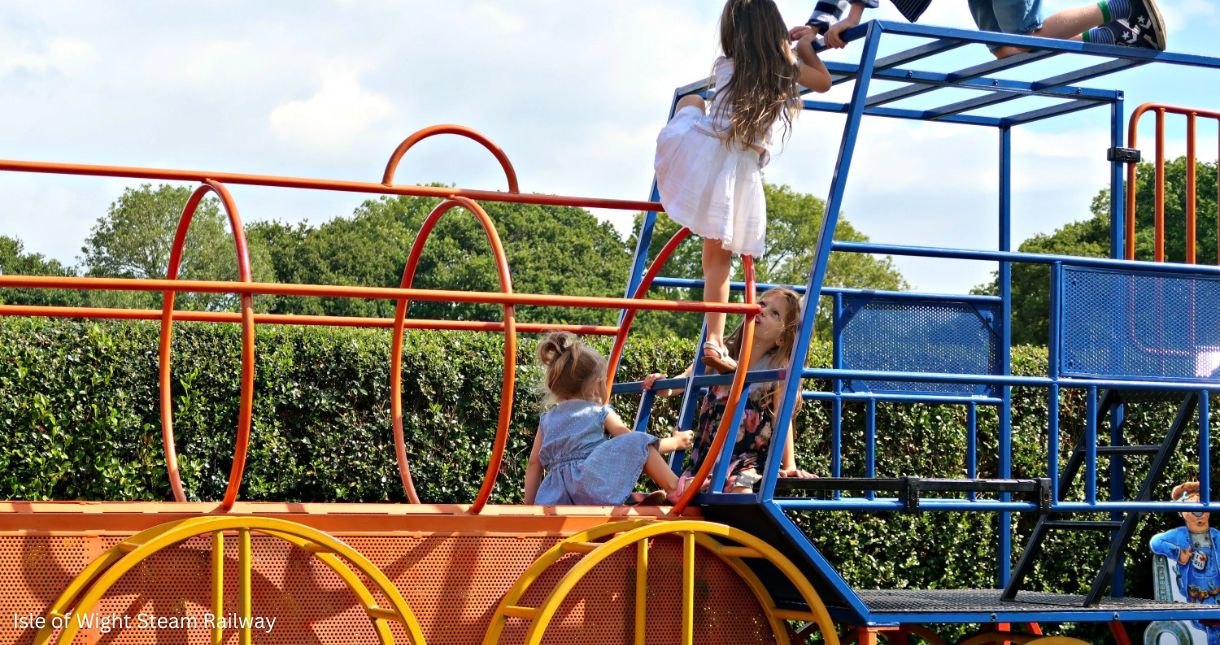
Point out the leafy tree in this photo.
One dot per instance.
(134, 238)
(15, 261)
(550, 250)
(1091, 238)
(793, 223)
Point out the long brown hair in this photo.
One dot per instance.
(573, 369)
(777, 358)
(763, 86)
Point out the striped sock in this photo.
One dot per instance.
(1100, 35)
(1114, 10)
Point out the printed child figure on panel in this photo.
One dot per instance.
(1191, 551)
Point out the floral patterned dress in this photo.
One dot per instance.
(753, 435)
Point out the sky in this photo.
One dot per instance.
(574, 92)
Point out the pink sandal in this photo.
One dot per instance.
(716, 357)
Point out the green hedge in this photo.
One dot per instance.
(79, 412)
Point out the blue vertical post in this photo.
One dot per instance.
(1052, 401)
(870, 443)
(972, 446)
(1118, 232)
(836, 405)
(1118, 228)
(1205, 467)
(1090, 437)
(1004, 277)
(817, 273)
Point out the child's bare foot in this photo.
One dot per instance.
(679, 440)
(655, 498)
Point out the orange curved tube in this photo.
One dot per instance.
(51, 311)
(739, 377)
(510, 350)
(246, 405)
(443, 192)
(419, 135)
(735, 392)
(620, 339)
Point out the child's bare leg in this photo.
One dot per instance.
(716, 264)
(1070, 23)
(658, 470)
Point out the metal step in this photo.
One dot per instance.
(1081, 525)
(1123, 450)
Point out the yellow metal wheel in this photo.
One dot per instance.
(92, 583)
(621, 535)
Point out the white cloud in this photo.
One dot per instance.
(341, 110)
(59, 55)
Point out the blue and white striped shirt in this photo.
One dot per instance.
(827, 12)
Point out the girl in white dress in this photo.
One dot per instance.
(709, 161)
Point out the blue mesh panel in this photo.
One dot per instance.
(884, 333)
(1140, 325)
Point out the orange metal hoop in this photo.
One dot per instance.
(247, 345)
(461, 130)
(739, 377)
(510, 350)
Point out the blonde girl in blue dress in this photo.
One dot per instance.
(709, 162)
(589, 455)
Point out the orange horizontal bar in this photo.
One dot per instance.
(1174, 109)
(323, 184)
(292, 319)
(94, 518)
(380, 293)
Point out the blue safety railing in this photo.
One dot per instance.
(968, 358)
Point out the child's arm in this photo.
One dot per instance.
(678, 441)
(834, 36)
(811, 73)
(614, 424)
(653, 378)
(533, 470)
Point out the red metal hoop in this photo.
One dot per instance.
(388, 178)
(247, 345)
(739, 378)
(510, 350)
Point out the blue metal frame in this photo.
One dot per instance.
(994, 94)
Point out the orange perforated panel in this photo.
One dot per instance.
(452, 581)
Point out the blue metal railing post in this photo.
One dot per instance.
(836, 405)
(1205, 470)
(972, 445)
(1090, 437)
(817, 273)
(1118, 231)
(1052, 401)
(721, 471)
(1004, 277)
(870, 443)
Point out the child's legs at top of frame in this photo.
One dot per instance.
(1020, 17)
(826, 13)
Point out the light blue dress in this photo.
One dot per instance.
(582, 465)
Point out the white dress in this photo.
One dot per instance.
(707, 183)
